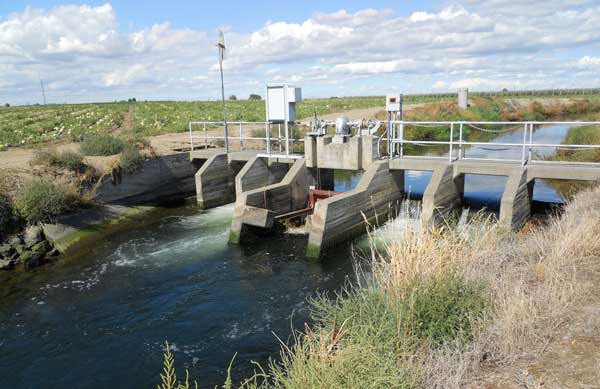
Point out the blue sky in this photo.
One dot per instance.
(207, 15)
(106, 51)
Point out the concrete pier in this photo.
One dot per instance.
(443, 194)
(343, 216)
(259, 207)
(260, 172)
(215, 179)
(515, 206)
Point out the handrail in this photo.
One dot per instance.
(242, 126)
(527, 144)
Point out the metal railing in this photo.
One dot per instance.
(457, 145)
(243, 136)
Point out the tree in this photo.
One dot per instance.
(232, 97)
(7, 105)
(254, 96)
(132, 100)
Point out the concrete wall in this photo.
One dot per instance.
(443, 194)
(258, 173)
(358, 153)
(215, 182)
(515, 206)
(341, 217)
(258, 207)
(160, 179)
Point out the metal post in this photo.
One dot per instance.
(389, 128)
(530, 142)
(401, 139)
(221, 46)
(241, 136)
(450, 156)
(286, 119)
(279, 137)
(524, 144)
(268, 135)
(205, 137)
(460, 141)
(191, 138)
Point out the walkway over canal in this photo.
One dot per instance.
(269, 175)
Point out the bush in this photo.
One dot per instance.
(254, 96)
(95, 145)
(41, 201)
(131, 160)
(233, 97)
(7, 217)
(67, 159)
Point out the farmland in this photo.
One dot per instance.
(29, 125)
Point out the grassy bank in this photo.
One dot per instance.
(581, 135)
(446, 308)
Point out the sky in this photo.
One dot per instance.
(165, 50)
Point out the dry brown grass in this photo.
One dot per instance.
(534, 279)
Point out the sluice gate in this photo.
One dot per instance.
(269, 186)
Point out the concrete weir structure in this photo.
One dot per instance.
(268, 187)
(445, 190)
(343, 216)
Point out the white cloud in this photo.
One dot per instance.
(478, 44)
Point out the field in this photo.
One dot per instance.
(34, 124)
(29, 125)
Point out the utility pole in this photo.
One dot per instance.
(221, 46)
(43, 91)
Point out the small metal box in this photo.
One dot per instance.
(392, 103)
(281, 102)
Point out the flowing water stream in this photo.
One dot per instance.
(100, 318)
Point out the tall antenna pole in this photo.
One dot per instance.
(43, 91)
(221, 46)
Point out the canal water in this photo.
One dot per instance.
(100, 318)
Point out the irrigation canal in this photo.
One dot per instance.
(100, 318)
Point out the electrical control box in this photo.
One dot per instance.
(393, 103)
(281, 102)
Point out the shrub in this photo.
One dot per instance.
(131, 160)
(254, 96)
(41, 201)
(101, 145)
(67, 159)
(7, 216)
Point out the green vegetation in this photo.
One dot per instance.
(34, 124)
(130, 159)
(66, 159)
(8, 219)
(95, 145)
(41, 201)
(582, 135)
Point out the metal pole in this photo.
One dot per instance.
(191, 138)
(389, 128)
(221, 50)
(450, 156)
(287, 118)
(524, 144)
(279, 136)
(43, 91)
(241, 136)
(268, 135)
(401, 139)
(530, 142)
(205, 137)
(460, 141)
